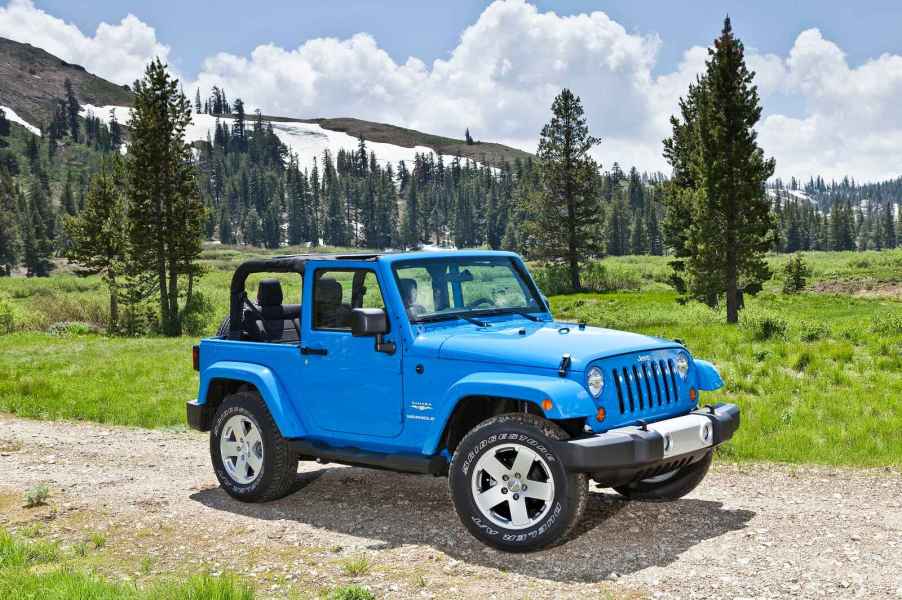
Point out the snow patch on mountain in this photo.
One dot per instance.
(14, 118)
(307, 140)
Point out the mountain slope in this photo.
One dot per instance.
(31, 80)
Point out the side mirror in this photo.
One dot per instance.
(372, 322)
(368, 321)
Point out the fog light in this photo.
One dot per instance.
(706, 432)
(600, 415)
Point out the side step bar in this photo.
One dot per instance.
(405, 463)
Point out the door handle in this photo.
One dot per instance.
(306, 350)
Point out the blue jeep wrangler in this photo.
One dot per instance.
(449, 363)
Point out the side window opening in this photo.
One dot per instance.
(336, 292)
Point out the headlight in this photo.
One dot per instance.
(682, 365)
(595, 381)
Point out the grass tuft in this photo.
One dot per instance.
(37, 496)
(355, 567)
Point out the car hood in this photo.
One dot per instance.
(543, 344)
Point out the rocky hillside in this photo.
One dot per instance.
(32, 79)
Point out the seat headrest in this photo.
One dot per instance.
(327, 291)
(408, 290)
(269, 292)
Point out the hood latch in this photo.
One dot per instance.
(564, 366)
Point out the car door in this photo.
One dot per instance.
(349, 386)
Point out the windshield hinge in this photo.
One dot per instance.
(565, 365)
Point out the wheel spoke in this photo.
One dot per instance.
(523, 463)
(492, 497)
(494, 468)
(255, 462)
(519, 516)
(538, 490)
(253, 436)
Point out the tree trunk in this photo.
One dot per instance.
(114, 305)
(732, 289)
(175, 324)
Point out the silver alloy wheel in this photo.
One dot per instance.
(241, 449)
(513, 486)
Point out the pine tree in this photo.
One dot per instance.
(889, 227)
(10, 243)
(4, 129)
(72, 110)
(717, 193)
(99, 234)
(467, 138)
(410, 233)
(165, 210)
(564, 221)
(38, 248)
(115, 132)
(197, 105)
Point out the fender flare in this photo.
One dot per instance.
(569, 399)
(707, 378)
(275, 397)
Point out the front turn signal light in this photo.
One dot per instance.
(693, 395)
(600, 415)
(546, 404)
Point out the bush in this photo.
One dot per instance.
(795, 273)
(812, 332)
(887, 324)
(553, 279)
(37, 496)
(197, 315)
(71, 328)
(351, 592)
(7, 318)
(764, 326)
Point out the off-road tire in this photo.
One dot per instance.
(571, 490)
(280, 465)
(684, 481)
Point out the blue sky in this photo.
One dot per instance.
(430, 30)
(829, 73)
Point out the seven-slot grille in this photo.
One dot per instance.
(645, 385)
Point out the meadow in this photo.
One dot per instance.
(818, 374)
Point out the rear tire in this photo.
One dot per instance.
(510, 489)
(677, 485)
(252, 461)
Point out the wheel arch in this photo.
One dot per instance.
(480, 396)
(223, 378)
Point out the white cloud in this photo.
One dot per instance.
(507, 67)
(115, 52)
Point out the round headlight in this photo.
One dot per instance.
(595, 381)
(682, 365)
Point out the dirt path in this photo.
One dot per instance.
(759, 531)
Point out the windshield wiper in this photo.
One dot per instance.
(509, 311)
(442, 317)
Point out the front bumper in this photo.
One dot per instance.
(625, 452)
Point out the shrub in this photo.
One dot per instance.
(553, 279)
(356, 566)
(71, 328)
(351, 592)
(812, 332)
(599, 278)
(7, 319)
(795, 273)
(197, 314)
(764, 326)
(37, 496)
(887, 324)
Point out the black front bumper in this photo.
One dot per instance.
(623, 454)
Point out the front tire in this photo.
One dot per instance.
(252, 461)
(510, 489)
(669, 486)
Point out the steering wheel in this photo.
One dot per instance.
(479, 301)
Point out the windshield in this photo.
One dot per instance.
(436, 288)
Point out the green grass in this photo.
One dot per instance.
(818, 376)
(38, 570)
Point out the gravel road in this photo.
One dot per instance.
(750, 531)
